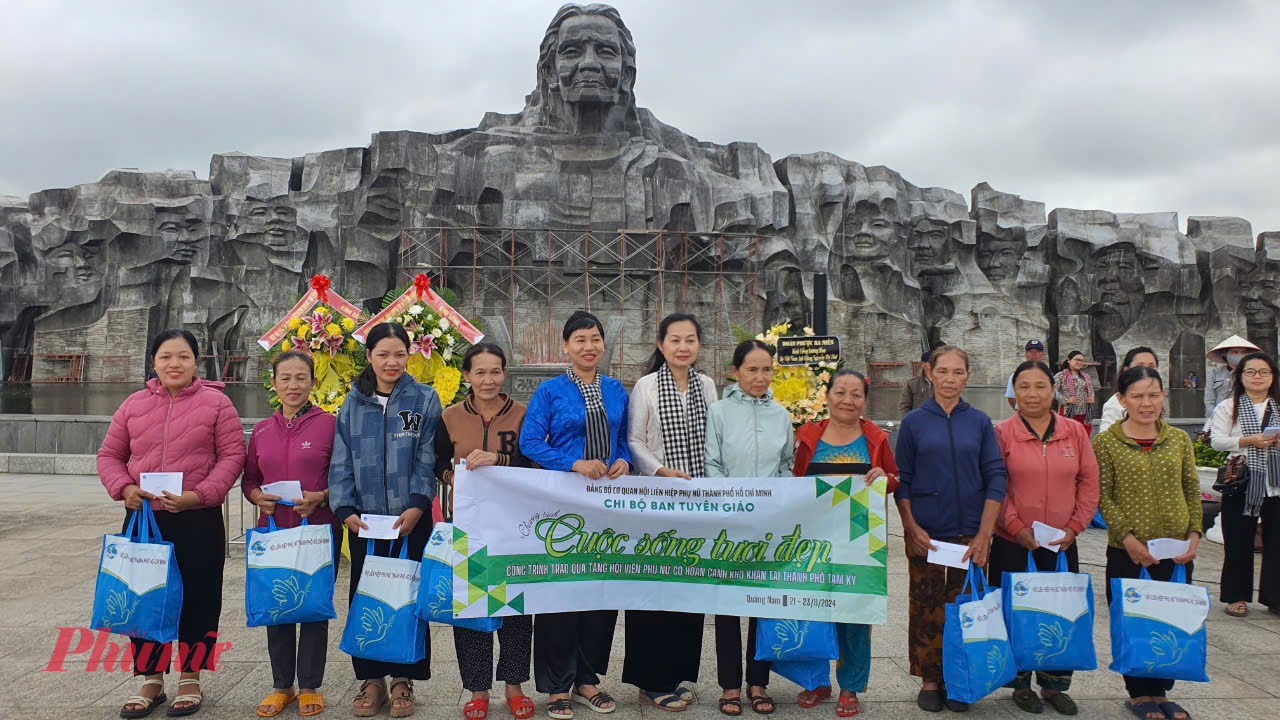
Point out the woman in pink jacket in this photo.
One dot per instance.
(1052, 479)
(179, 423)
(295, 443)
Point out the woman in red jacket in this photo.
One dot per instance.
(1052, 479)
(182, 424)
(295, 443)
(846, 444)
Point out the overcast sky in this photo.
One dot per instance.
(1124, 106)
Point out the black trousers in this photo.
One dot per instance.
(300, 649)
(199, 546)
(1120, 566)
(365, 668)
(1008, 556)
(475, 653)
(570, 648)
(1238, 533)
(729, 654)
(663, 649)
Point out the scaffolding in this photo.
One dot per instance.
(534, 278)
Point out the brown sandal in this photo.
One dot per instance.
(1242, 612)
(402, 711)
(376, 707)
(763, 699)
(731, 706)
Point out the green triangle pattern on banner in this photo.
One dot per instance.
(478, 566)
(494, 605)
(881, 556)
(461, 569)
(458, 533)
(474, 593)
(500, 592)
(858, 520)
(458, 606)
(517, 603)
(863, 497)
(874, 521)
(822, 487)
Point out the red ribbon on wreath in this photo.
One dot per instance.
(422, 283)
(320, 284)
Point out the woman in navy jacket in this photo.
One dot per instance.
(950, 487)
(577, 422)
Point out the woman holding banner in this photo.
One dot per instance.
(846, 444)
(1053, 480)
(484, 429)
(951, 485)
(185, 425)
(295, 443)
(668, 428)
(749, 436)
(390, 411)
(577, 422)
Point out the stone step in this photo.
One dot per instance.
(48, 464)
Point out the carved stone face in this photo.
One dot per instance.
(1117, 273)
(589, 60)
(1259, 291)
(70, 272)
(272, 222)
(869, 231)
(929, 245)
(998, 259)
(181, 233)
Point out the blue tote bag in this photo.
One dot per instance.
(288, 574)
(382, 623)
(1157, 628)
(139, 589)
(1050, 617)
(796, 640)
(435, 596)
(976, 656)
(808, 674)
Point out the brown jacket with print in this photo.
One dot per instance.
(462, 430)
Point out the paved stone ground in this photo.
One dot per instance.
(51, 539)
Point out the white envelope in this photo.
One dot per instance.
(949, 554)
(157, 483)
(1167, 548)
(1046, 534)
(379, 527)
(286, 490)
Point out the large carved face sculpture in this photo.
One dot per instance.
(589, 60)
(929, 245)
(273, 223)
(182, 234)
(999, 258)
(1259, 291)
(70, 271)
(1117, 273)
(870, 231)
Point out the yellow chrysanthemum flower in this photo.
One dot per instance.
(294, 323)
(333, 330)
(304, 330)
(446, 382)
(352, 344)
(286, 346)
(348, 324)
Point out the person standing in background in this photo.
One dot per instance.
(917, 390)
(1074, 391)
(1112, 410)
(1034, 350)
(1218, 383)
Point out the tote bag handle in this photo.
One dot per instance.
(148, 524)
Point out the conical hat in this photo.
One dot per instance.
(1235, 341)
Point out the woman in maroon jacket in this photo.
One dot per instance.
(294, 444)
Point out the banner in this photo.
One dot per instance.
(428, 297)
(304, 306)
(537, 541)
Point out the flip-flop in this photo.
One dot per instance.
(669, 702)
(314, 699)
(848, 706)
(278, 701)
(813, 698)
(1170, 709)
(1142, 710)
(481, 706)
(522, 708)
(686, 695)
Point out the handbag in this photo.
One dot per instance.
(796, 640)
(1233, 478)
(289, 574)
(976, 655)
(1050, 617)
(1158, 628)
(139, 588)
(382, 623)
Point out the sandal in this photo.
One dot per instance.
(686, 695)
(596, 702)
(669, 702)
(315, 700)
(1171, 710)
(1145, 710)
(522, 708)
(813, 698)
(1242, 609)
(402, 711)
(848, 705)
(1028, 701)
(480, 706)
(762, 699)
(277, 702)
(929, 700)
(148, 704)
(731, 706)
(1062, 703)
(195, 700)
(380, 700)
(560, 709)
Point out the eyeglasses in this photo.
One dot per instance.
(1256, 373)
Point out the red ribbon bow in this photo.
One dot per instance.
(320, 284)
(422, 283)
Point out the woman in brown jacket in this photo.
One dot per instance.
(484, 429)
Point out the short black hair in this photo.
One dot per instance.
(581, 320)
(294, 355)
(481, 349)
(172, 333)
(744, 349)
(1137, 374)
(1032, 365)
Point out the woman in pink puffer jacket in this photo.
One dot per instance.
(179, 423)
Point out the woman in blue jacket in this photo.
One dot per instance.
(577, 422)
(384, 464)
(950, 487)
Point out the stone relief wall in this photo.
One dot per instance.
(96, 268)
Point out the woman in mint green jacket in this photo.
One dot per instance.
(750, 436)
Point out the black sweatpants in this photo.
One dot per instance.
(663, 649)
(199, 544)
(376, 669)
(729, 654)
(1238, 533)
(571, 649)
(300, 649)
(475, 653)
(1120, 566)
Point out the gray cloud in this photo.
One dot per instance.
(1135, 106)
